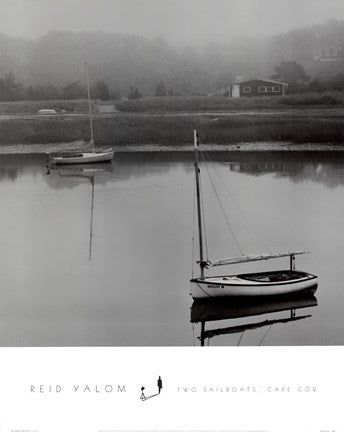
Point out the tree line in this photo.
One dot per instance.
(298, 81)
(12, 90)
(289, 72)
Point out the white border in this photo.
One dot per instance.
(220, 383)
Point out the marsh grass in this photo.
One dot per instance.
(205, 104)
(180, 104)
(174, 130)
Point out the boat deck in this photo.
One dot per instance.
(273, 277)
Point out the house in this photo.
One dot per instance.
(258, 87)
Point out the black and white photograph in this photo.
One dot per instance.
(171, 176)
(146, 143)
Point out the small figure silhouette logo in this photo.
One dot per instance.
(143, 397)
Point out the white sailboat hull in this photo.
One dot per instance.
(84, 158)
(253, 285)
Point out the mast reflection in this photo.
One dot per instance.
(88, 172)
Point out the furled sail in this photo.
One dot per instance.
(252, 257)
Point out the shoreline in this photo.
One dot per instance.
(273, 146)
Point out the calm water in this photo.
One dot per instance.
(129, 287)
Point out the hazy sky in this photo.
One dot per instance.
(176, 20)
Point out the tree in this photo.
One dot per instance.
(100, 90)
(134, 93)
(224, 80)
(31, 93)
(290, 72)
(317, 86)
(115, 94)
(160, 89)
(74, 91)
(171, 92)
(47, 92)
(337, 83)
(10, 90)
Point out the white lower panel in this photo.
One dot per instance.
(247, 389)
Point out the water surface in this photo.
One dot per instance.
(132, 289)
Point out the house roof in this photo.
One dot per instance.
(266, 80)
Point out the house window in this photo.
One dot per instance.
(268, 89)
(247, 89)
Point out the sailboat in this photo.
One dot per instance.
(82, 157)
(247, 284)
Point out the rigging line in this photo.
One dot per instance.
(237, 205)
(223, 212)
(267, 331)
(240, 339)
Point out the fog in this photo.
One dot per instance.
(178, 21)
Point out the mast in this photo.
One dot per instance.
(89, 108)
(199, 209)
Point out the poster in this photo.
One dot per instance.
(100, 329)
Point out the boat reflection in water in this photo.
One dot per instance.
(89, 172)
(203, 311)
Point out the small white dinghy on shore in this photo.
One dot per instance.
(80, 156)
(268, 283)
